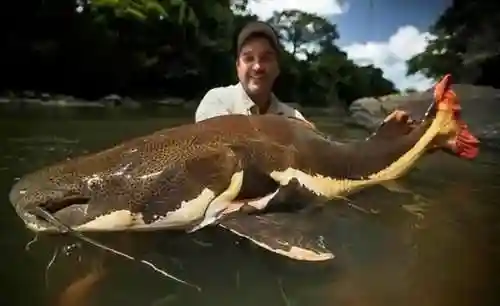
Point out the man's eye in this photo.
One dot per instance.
(266, 58)
(248, 59)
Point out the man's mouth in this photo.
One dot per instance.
(257, 78)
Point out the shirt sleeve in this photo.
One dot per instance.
(298, 115)
(289, 111)
(210, 106)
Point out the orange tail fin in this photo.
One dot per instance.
(464, 144)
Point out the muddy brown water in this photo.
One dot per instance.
(436, 245)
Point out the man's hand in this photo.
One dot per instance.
(396, 124)
(400, 116)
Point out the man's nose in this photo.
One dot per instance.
(257, 66)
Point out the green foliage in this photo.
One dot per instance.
(170, 47)
(466, 40)
(437, 59)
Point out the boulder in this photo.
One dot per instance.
(475, 100)
(367, 112)
(479, 106)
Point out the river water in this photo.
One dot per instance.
(436, 244)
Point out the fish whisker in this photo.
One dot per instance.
(65, 229)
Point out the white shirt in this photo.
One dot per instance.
(233, 99)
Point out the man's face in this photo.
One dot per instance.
(257, 65)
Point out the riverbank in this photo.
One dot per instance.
(28, 100)
(365, 113)
(109, 101)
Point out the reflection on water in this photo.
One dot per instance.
(435, 244)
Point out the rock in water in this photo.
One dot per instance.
(369, 112)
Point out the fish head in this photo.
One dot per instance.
(97, 192)
(51, 189)
(68, 188)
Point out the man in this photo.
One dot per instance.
(257, 67)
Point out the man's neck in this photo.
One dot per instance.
(262, 101)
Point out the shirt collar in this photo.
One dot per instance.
(248, 104)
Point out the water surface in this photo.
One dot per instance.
(436, 245)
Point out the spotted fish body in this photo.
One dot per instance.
(153, 175)
(194, 175)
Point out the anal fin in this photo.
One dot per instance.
(287, 234)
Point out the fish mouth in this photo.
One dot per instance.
(55, 205)
(50, 215)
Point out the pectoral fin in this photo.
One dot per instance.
(282, 233)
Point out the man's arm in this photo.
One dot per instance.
(210, 106)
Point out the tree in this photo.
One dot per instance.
(303, 30)
(178, 48)
(466, 43)
(316, 69)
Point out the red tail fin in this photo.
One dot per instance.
(445, 97)
(464, 143)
